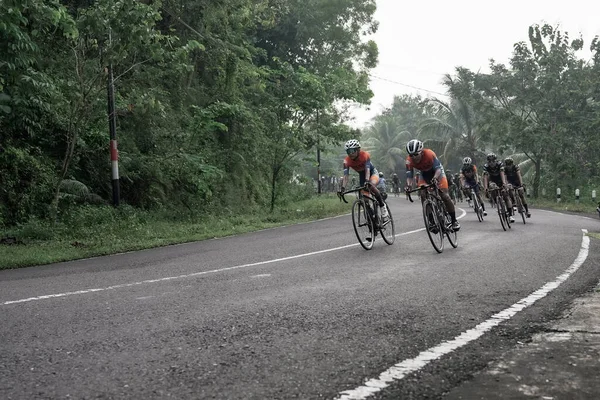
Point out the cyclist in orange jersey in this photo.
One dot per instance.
(426, 161)
(360, 161)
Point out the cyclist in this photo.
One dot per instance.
(513, 176)
(451, 185)
(494, 171)
(469, 179)
(426, 161)
(395, 183)
(458, 187)
(381, 185)
(360, 161)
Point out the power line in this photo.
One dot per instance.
(410, 86)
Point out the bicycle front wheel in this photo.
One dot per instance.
(501, 212)
(363, 224)
(477, 206)
(451, 234)
(433, 226)
(388, 231)
(520, 207)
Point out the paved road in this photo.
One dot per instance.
(295, 312)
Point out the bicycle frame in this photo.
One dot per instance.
(517, 200)
(497, 196)
(436, 217)
(370, 217)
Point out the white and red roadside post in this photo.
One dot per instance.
(112, 125)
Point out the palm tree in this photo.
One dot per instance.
(452, 129)
(385, 140)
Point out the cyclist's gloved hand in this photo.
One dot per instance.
(407, 188)
(342, 189)
(434, 181)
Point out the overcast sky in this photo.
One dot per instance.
(419, 41)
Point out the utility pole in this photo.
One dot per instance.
(112, 127)
(318, 157)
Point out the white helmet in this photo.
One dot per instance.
(467, 161)
(352, 144)
(414, 146)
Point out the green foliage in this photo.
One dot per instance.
(25, 184)
(214, 100)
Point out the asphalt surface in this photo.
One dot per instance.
(304, 312)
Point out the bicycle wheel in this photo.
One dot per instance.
(388, 232)
(520, 207)
(433, 226)
(506, 213)
(477, 207)
(451, 234)
(499, 207)
(363, 224)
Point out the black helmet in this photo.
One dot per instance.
(508, 161)
(491, 157)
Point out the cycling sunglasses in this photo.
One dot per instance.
(415, 155)
(351, 151)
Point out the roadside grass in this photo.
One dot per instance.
(95, 231)
(586, 207)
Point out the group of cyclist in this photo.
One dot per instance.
(423, 167)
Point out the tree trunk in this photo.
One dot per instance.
(536, 178)
(274, 186)
(63, 172)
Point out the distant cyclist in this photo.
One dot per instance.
(395, 183)
(451, 185)
(493, 171)
(469, 179)
(382, 185)
(513, 176)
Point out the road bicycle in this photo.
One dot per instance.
(518, 203)
(367, 220)
(477, 204)
(396, 189)
(497, 198)
(438, 222)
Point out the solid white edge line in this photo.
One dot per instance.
(400, 370)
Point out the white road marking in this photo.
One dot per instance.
(261, 276)
(402, 369)
(170, 278)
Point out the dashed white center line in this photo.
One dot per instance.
(186, 276)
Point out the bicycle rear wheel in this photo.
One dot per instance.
(387, 229)
(363, 224)
(433, 226)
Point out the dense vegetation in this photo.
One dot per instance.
(220, 104)
(214, 100)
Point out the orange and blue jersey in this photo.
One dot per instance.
(360, 164)
(428, 164)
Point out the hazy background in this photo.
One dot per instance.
(420, 41)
